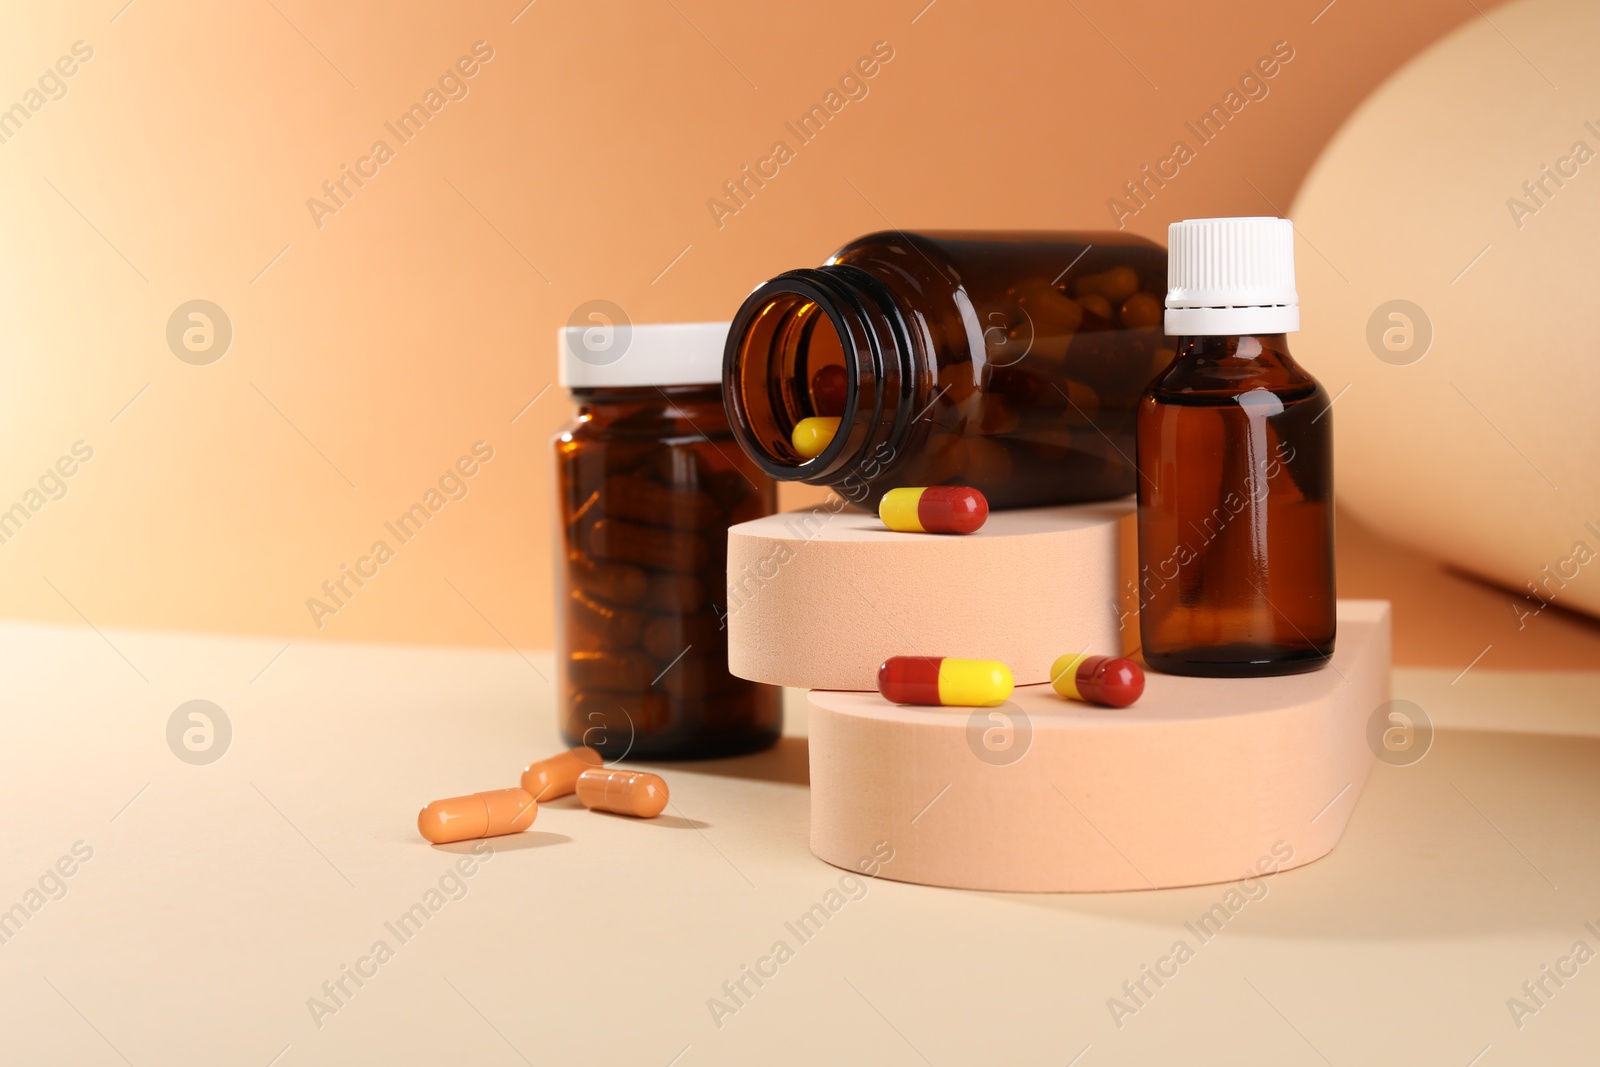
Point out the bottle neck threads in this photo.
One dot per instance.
(790, 333)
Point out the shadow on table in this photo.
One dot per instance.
(788, 761)
(508, 843)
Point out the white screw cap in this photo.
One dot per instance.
(618, 354)
(1227, 277)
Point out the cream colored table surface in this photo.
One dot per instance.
(218, 899)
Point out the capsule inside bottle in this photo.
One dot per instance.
(943, 681)
(558, 776)
(491, 814)
(1109, 681)
(955, 509)
(829, 389)
(811, 437)
(637, 793)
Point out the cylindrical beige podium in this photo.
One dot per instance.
(818, 599)
(1203, 780)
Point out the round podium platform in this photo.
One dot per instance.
(818, 599)
(1203, 780)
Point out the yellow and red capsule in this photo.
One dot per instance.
(829, 388)
(811, 437)
(1109, 681)
(956, 509)
(940, 680)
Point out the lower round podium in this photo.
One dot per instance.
(1203, 780)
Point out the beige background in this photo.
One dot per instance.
(370, 353)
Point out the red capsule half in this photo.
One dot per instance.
(944, 681)
(1109, 681)
(956, 509)
(828, 390)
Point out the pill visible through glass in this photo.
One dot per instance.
(811, 437)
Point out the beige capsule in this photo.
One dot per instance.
(622, 672)
(619, 541)
(698, 675)
(1116, 284)
(665, 636)
(603, 718)
(618, 583)
(1142, 311)
(611, 627)
(636, 793)
(1098, 306)
(490, 814)
(628, 496)
(675, 592)
(558, 776)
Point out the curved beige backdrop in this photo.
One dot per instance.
(1453, 295)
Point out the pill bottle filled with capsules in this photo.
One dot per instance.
(648, 481)
(1009, 362)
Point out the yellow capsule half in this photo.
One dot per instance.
(974, 683)
(811, 437)
(898, 510)
(1064, 675)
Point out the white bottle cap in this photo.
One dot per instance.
(1231, 276)
(618, 354)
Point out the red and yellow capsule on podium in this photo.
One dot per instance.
(1110, 681)
(939, 681)
(956, 509)
(944, 681)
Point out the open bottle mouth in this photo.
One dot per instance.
(791, 366)
(811, 345)
(829, 344)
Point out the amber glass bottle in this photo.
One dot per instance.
(1236, 568)
(1011, 362)
(649, 480)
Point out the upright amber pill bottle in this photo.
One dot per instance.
(1235, 467)
(649, 480)
(1010, 362)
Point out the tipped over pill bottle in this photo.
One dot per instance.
(648, 481)
(1009, 362)
(1236, 467)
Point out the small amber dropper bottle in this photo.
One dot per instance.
(1235, 458)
